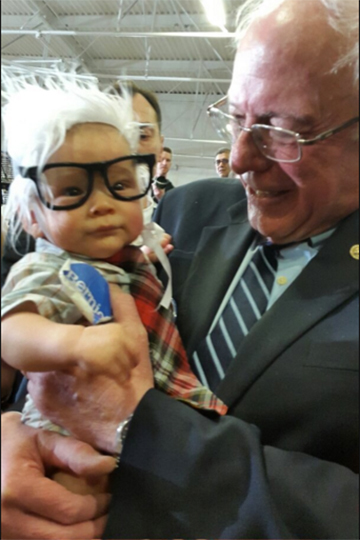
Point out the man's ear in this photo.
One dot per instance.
(34, 228)
(158, 155)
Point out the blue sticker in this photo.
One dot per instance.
(88, 289)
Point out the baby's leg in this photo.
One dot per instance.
(81, 485)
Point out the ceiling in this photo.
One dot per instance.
(167, 46)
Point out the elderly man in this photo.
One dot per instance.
(283, 463)
(222, 163)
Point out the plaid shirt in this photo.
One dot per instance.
(35, 278)
(172, 371)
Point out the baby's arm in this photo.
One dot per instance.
(29, 342)
(32, 343)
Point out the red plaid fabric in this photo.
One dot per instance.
(172, 372)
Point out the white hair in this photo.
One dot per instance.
(37, 117)
(343, 16)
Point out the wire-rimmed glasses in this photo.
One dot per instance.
(274, 143)
(64, 186)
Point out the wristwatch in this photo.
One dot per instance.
(121, 432)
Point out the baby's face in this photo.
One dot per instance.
(103, 225)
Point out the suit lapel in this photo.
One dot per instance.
(329, 280)
(220, 251)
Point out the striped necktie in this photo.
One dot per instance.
(247, 304)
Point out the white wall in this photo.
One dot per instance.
(185, 116)
(181, 174)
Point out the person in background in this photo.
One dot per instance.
(161, 184)
(222, 163)
(284, 462)
(149, 119)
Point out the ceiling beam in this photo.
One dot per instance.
(108, 22)
(109, 33)
(182, 68)
(50, 21)
(195, 141)
(115, 76)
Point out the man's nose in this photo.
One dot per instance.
(245, 155)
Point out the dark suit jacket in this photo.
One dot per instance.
(283, 464)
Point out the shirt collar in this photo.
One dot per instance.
(315, 242)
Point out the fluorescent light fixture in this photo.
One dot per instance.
(215, 12)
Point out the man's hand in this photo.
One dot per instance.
(32, 505)
(158, 193)
(92, 407)
(165, 244)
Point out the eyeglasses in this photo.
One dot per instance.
(222, 161)
(274, 143)
(64, 186)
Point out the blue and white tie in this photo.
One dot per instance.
(245, 307)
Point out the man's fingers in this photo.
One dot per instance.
(41, 528)
(168, 249)
(135, 335)
(123, 306)
(166, 239)
(99, 526)
(74, 455)
(34, 506)
(51, 499)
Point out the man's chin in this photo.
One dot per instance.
(276, 230)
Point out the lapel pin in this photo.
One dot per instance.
(354, 252)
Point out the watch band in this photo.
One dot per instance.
(121, 432)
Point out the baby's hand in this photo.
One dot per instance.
(165, 244)
(103, 349)
(111, 348)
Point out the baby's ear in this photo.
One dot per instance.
(33, 228)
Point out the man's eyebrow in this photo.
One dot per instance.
(304, 120)
(145, 124)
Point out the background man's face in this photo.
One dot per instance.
(164, 164)
(151, 141)
(222, 164)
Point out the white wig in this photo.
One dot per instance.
(343, 16)
(36, 119)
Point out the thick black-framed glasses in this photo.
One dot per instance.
(274, 143)
(64, 186)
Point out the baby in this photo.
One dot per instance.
(77, 188)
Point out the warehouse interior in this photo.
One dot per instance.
(167, 46)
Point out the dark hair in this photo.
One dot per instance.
(223, 151)
(150, 97)
(167, 149)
